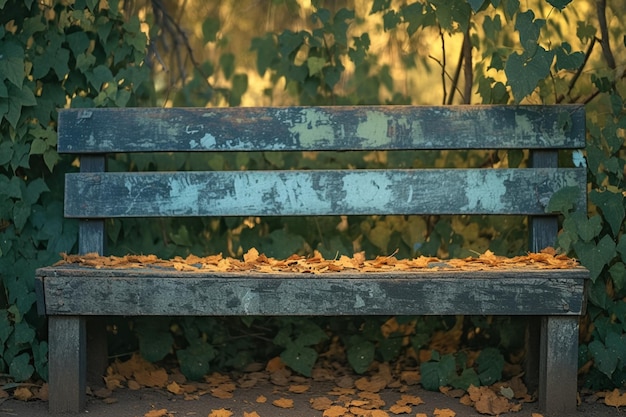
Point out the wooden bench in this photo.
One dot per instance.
(69, 294)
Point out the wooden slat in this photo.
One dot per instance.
(285, 193)
(320, 128)
(75, 290)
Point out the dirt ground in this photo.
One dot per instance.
(261, 399)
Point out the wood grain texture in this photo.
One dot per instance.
(320, 128)
(86, 291)
(332, 192)
(558, 365)
(66, 364)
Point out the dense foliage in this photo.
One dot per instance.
(91, 53)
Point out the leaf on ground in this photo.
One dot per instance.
(400, 409)
(299, 389)
(222, 412)
(409, 400)
(134, 385)
(157, 378)
(251, 414)
(373, 384)
(22, 394)
(335, 411)
(283, 403)
(488, 402)
(615, 399)
(261, 399)
(320, 403)
(174, 388)
(157, 413)
(443, 412)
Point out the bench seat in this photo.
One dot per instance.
(78, 290)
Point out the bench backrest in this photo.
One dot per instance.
(95, 194)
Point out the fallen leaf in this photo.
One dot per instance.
(133, 385)
(251, 414)
(42, 393)
(373, 384)
(261, 399)
(156, 378)
(335, 411)
(299, 389)
(615, 399)
(222, 412)
(320, 403)
(156, 413)
(443, 412)
(379, 413)
(409, 400)
(400, 409)
(221, 393)
(174, 388)
(22, 394)
(283, 403)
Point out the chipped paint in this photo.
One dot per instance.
(356, 198)
(373, 130)
(183, 195)
(485, 192)
(314, 128)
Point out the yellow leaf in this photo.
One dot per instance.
(335, 411)
(222, 412)
(283, 403)
(156, 413)
(299, 389)
(251, 414)
(615, 399)
(22, 394)
(443, 412)
(321, 403)
(174, 388)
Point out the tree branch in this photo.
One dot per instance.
(468, 68)
(572, 82)
(604, 32)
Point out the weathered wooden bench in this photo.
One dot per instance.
(555, 298)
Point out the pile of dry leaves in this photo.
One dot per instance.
(316, 264)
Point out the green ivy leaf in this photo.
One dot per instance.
(529, 29)
(315, 64)
(476, 4)
(210, 27)
(563, 201)
(439, 373)
(23, 333)
(559, 4)
(299, 358)
(20, 368)
(618, 275)
(604, 359)
(490, 365)
(524, 72)
(12, 63)
(595, 257)
(195, 360)
(568, 60)
(360, 354)
(227, 63)
(155, 339)
(585, 31)
(5, 327)
(612, 206)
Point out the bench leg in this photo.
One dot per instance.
(558, 365)
(66, 364)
